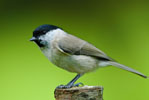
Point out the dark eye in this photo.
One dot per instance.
(44, 32)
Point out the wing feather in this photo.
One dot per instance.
(75, 46)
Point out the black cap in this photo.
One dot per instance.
(43, 29)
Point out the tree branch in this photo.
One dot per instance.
(80, 93)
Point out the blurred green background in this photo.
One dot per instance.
(119, 28)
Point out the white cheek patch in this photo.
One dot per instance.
(49, 36)
(46, 39)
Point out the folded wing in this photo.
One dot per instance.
(75, 46)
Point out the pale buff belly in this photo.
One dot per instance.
(75, 63)
(72, 63)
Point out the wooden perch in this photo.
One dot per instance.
(80, 93)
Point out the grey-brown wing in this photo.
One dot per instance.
(75, 46)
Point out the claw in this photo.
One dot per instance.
(77, 85)
(63, 87)
(69, 86)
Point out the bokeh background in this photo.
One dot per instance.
(119, 28)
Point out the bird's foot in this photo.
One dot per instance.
(69, 86)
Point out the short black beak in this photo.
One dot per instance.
(33, 39)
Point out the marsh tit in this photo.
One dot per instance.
(71, 53)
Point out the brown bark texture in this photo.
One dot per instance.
(80, 93)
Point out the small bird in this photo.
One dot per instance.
(71, 53)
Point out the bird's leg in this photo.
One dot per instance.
(71, 83)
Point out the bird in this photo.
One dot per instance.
(72, 53)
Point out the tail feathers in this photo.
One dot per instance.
(127, 68)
